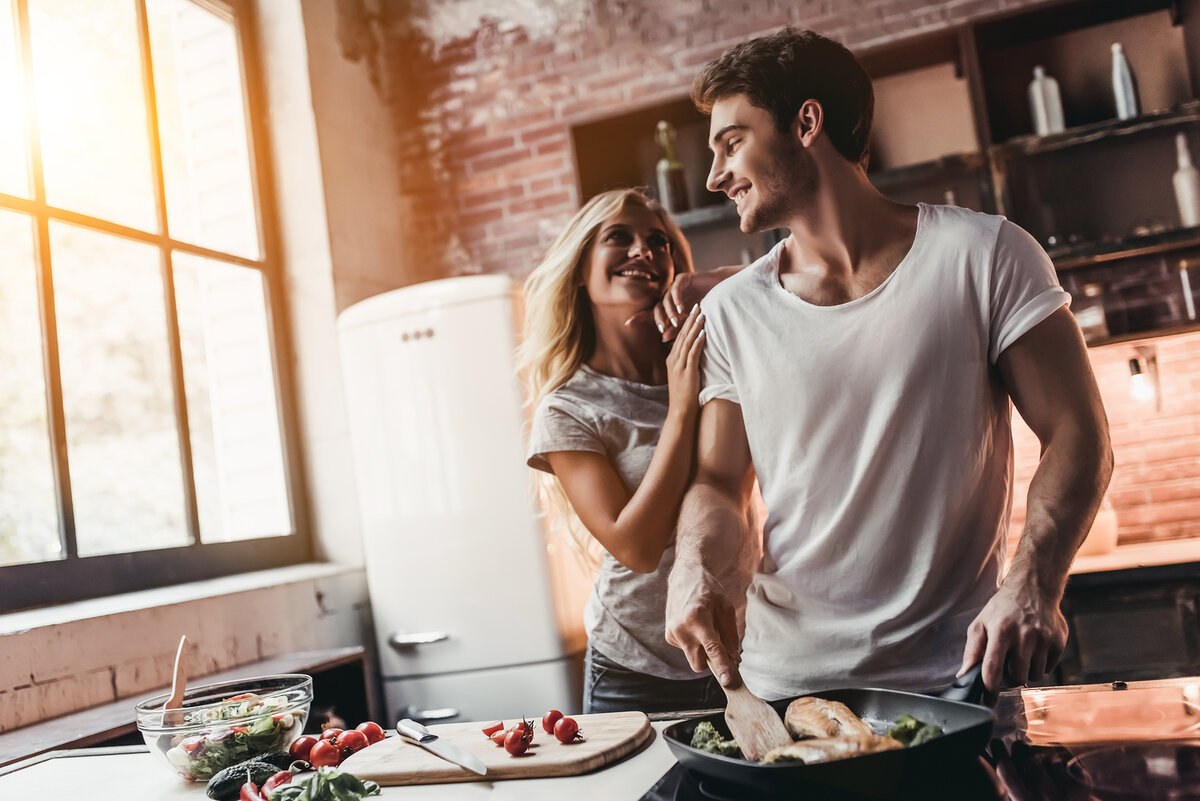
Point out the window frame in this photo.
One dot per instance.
(72, 577)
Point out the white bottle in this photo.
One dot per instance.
(1045, 104)
(1187, 184)
(1124, 85)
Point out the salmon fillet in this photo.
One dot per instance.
(830, 748)
(819, 718)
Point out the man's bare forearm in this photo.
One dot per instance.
(714, 537)
(1064, 495)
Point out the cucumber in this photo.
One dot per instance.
(279, 759)
(227, 784)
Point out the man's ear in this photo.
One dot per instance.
(810, 120)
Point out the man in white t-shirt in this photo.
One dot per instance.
(863, 371)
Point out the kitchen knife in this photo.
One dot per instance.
(447, 751)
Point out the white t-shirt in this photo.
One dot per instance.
(622, 420)
(880, 435)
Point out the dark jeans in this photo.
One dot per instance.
(609, 687)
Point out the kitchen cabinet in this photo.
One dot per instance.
(953, 124)
(1139, 623)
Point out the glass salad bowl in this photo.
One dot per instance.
(226, 723)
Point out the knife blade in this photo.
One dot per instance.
(433, 744)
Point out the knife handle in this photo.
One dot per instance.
(410, 728)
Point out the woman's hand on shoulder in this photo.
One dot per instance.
(683, 363)
(685, 291)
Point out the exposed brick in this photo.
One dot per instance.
(538, 203)
(493, 161)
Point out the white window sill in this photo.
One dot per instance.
(165, 596)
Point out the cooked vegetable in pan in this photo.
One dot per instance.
(824, 730)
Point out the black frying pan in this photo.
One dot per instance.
(967, 729)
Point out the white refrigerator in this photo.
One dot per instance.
(478, 611)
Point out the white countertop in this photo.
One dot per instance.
(1143, 554)
(121, 777)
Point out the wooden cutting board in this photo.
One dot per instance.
(607, 738)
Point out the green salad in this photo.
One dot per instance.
(242, 727)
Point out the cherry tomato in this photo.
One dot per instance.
(550, 718)
(351, 741)
(492, 728)
(567, 730)
(526, 729)
(497, 737)
(301, 748)
(372, 730)
(515, 743)
(325, 754)
(331, 733)
(192, 744)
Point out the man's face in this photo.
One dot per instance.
(768, 174)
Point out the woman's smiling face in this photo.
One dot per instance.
(629, 262)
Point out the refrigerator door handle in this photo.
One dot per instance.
(403, 642)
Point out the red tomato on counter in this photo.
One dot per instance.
(372, 730)
(351, 741)
(325, 754)
(331, 733)
(302, 747)
(567, 730)
(548, 721)
(515, 743)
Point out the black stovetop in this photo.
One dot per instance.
(1104, 742)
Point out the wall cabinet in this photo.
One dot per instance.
(1131, 625)
(953, 124)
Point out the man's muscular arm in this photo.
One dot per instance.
(1048, 375)
(715, 551)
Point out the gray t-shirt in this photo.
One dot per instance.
(622, 420)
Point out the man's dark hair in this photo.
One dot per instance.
(780, 71)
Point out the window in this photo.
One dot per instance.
(142, 439)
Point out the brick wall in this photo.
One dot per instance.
(485, 111)
(1156, 482)
(485, 105)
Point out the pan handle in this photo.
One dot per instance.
(968, 687)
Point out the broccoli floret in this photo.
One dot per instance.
(926, 733)
(706, 737)
(905, 729)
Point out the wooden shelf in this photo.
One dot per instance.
(1031, 144)
(954, 164)
(1085, 254)
(1133, 336)
(719, 214)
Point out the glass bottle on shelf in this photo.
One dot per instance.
(1125, 91)
(672, 183)
(1185, 288)
(1089, 312)
(1187, 183)
(1045, 104)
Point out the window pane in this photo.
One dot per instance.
(28, 506)
(202, 123)
(14, 178)
(91, 109)
(122, 440)
(237, 453)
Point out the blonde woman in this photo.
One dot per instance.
(615, 422)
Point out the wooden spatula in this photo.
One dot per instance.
(178, 686)
(752, 722)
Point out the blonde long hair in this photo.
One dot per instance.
(559, 332)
